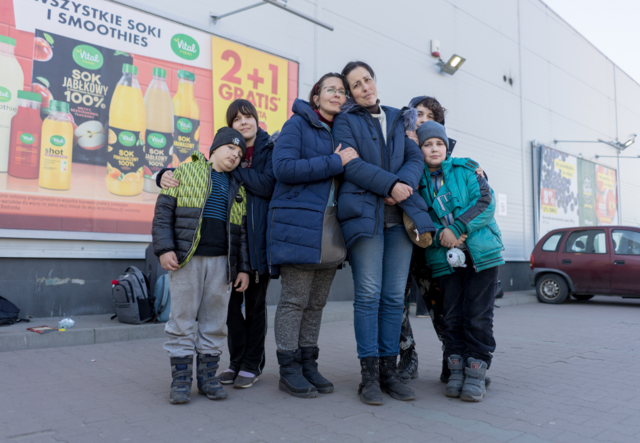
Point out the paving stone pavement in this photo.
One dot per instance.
(564, 373)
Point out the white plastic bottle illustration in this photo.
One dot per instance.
(11, 81)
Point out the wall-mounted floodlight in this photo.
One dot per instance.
(452, 65)
(614, 144)
(275, 3)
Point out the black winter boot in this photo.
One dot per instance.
(208, 383)
(182, 374)
(369, 390)
(291, 378)
(408, 365)
(310, 370)
(390, 380)
(446, 372)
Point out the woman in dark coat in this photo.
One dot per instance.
(377, 191)
(306, 162)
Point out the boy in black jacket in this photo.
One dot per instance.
(200, 236)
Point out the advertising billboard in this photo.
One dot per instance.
(574, 192)
(96, 98)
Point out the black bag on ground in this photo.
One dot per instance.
(152, 268)
(131, 298)
(9, 313)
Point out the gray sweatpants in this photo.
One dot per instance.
(299, 313)
(198, 290)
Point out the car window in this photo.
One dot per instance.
(591, 241)
(626, 242)
(552, 242)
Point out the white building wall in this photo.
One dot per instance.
(563, 87)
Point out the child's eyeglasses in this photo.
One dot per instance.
(333, 91)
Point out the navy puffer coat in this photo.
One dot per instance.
(369, 179)
(304, 165)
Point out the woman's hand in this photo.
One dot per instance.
(401, 192)
(480, 171)
(167, 181)
(413, 136)
(347, 155)
(389, 201)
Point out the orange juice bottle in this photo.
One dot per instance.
(56, 147)
(158, 149)
(186, 133)
(127, 123)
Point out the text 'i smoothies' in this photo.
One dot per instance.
(56, 148)
(187, 119)
(159, 146)
(127, 123)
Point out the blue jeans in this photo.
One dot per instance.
(380, 267)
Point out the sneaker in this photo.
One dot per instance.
(474, 388)
(242, 382)
(227, 377)
(456, 379)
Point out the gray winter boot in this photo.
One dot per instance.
(208, 383)
(456, 379)
(474, 383)
(182, 374)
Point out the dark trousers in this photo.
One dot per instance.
(246, 335)
(428, 292)
(469, 297)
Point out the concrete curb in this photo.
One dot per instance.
(92, 329)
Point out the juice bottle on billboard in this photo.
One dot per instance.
(56, 147)
(186, 133)
(158, 149)
(127, 122)
(24, 145)
(11, 80)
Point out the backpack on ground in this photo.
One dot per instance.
(152, 268)
(9, 313)
(163, 299)
(131, 297)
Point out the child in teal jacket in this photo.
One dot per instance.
(462, 205)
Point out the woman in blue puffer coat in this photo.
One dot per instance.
(306, 162)
(377, 189)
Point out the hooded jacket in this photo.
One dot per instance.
(370, 178)
(471, 201)
(259, 183)
(304, 164)
(178, 216)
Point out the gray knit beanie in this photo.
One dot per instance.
(431, 129)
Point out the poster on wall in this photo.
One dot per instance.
(574, 192)
(97, 98)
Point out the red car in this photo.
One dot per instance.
(587, 261)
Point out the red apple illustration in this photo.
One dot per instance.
(44, 92)
(42, 51)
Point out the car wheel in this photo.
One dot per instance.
(552, 288)
(582, 297)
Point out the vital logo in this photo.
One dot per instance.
(27, 138)
(87, 57)
(184, 125)
(5, 94)
(185, 47)
(57, 140)
(127, 138)
(156, 140)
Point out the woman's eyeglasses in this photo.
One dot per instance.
(332, 91)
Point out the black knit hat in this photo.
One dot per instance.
(228, 136)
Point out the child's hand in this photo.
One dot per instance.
(167, 181)
(448, 238)
(480, 171)
(461, 240)
(242, 282)
(169, 261)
